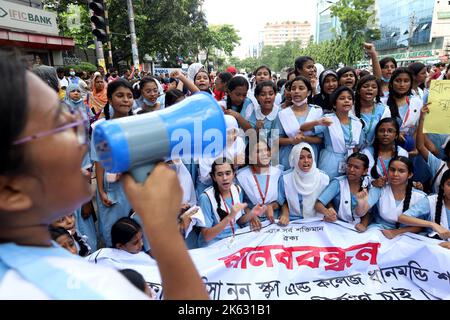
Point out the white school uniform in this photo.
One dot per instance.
(388, 208)
(249, 184)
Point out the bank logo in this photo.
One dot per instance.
(3, 13)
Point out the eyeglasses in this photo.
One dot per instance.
(81, 125)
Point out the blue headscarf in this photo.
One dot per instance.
(74, 105)
(77, 105)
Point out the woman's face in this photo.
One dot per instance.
(150, 91)
(262, 75)
(224, 176)
(266, 98)
(355, 169)
(56, 185)
(369, 91)
(66, 222)
(238, 95)
(387, 133)
(421, 76)
(308, 70)
(388, 70)
(121, 101)
(261, 154)
(219, 84)
(344, 102)
(398, 173)
(202, 81)
(447, 189)
(75, 95)
(134, 245)
(348, 79)
(66, 242)
(402, 84)
(99, 84)
(330, 85)
(305, 161)
(299, 92)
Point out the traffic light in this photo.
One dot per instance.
(98, 19)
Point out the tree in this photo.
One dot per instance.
(75, 24)
(217, 39)
(357, 19)
(167, 29)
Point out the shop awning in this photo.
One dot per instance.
(35, 41)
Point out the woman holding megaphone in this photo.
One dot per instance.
(42, 147)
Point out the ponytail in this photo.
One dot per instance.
(440, 199)
(222, 213)
(407, 200)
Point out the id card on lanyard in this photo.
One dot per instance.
(367, 132)
(229, 212)
(263, 196)
(349, 145)
(403, 127)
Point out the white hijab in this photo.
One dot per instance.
(306, 183)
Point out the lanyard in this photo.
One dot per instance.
(371, 122)
(350, 140)
(263, 197)
(407, 113)
(383, 166)
(228, 211)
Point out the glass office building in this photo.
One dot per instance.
(404, 23)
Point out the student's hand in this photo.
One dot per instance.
(176, 74)
(401, 137)
(445, 245)
(325, 121)
(299, 137)
(444, 234)
(158, 200)
(105, 200)
(258, 210)
(360, 227)
(418, 185)
(390, 233)
(232, 113)
(255, 224)
(362, 196)
(331, 215)
(370, 48)
(269, 214)
(425, 110)
(380, 182)
(236, 208)
(284, 220)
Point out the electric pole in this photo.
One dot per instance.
(134, 47)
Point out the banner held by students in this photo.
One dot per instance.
(315, 260)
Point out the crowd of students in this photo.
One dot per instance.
(340, 145)
(343, 144)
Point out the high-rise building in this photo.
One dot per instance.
(276, 34)
(411, 30)
(414, 30)
(326, 25)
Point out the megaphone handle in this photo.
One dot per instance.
(141, 173)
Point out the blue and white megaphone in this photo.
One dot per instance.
(190, 129)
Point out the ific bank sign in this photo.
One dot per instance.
(18, 17)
